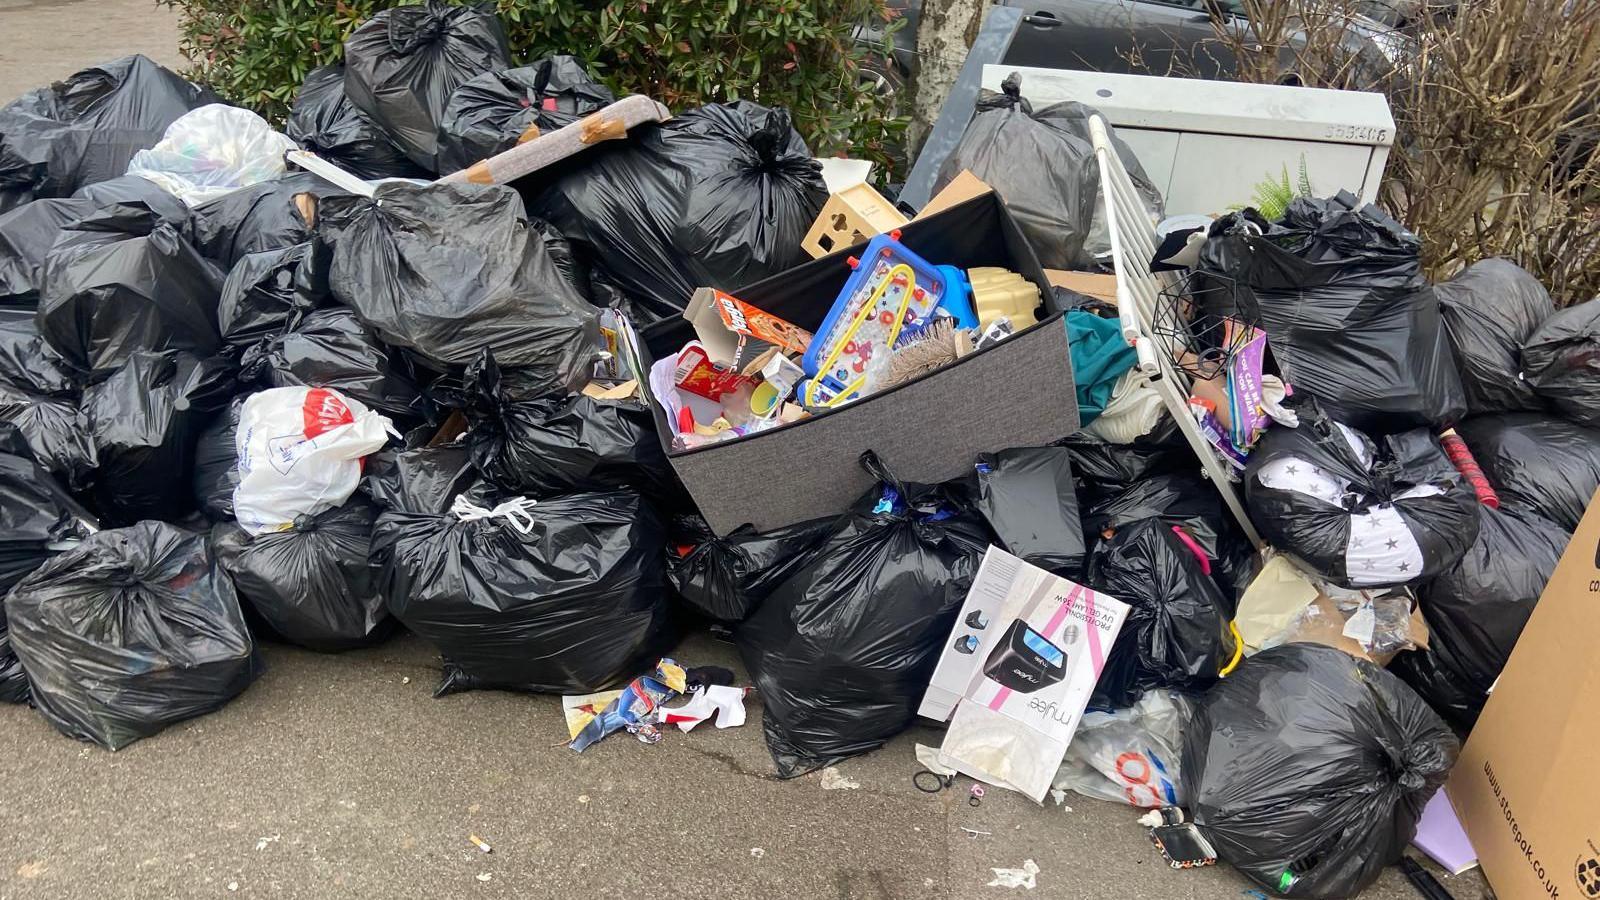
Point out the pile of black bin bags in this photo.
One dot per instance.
(522, 524)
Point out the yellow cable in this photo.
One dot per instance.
(1238, 649)
(861, 317)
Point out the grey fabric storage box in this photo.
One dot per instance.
(1019, 393)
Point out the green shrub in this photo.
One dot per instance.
(797, 54)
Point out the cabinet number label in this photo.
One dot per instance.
(1366, 134)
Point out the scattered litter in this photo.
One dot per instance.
(480, 843)
(1024, 877)
(262, 842)
(757, 852)
(583, 798)
(485, 876)
(233, 885)
(1183, 846)
(635, 707)
(724, 704)
(973, 832)
(834, 780)
(405, 679)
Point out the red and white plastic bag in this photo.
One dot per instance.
(300, 452)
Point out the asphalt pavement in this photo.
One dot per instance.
(343, 777)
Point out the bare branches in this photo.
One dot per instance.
(1497, 108)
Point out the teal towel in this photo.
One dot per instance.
(1099, 357)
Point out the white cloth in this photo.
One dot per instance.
(1135, 409)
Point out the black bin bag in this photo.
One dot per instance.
(719, 196)
(1176, 634)
(1042, 165)
(316, 584)
(1561, 360)
(1358, 511)
(331, 348)
(134, 189)
(37, 519)
(216, 462)
(325, 122)
(448, 270)
(565, 596)
(726, 578)
(1179, 497)
(494, 111)
(1489, 311)
(26, 235)
(267, 292)
(1537, 462)
(842, 651)
(402, 65)
(1029, 498)
(1307, 769)
(559, 445)
(87, 127)
(56, 429)
(1101, 466)
(28, 362)
(1351, 321)
(122, 281)
(1476, 610)
(145, 420)
(419, 479)
(131, 631)
(39, 395)
(267, 215)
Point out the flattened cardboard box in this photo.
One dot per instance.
(1018, 393)
(1527, 785)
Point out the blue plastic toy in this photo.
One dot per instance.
(890, 290)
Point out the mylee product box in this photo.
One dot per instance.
(1017, 672)
(1018, 393)
(1527, 785)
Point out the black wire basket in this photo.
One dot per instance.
(1202, 320)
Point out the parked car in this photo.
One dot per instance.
(1142, 37)
(1171, 37)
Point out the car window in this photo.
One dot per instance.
(1233, 7)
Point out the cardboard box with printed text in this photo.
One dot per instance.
(1527, 785)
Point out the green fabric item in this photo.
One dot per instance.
(1099, 357)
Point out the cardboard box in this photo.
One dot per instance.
(851, 216)
(737, 335)
(1098, 286)
(1527, 785)
(1018, 393)
(1017, 671)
